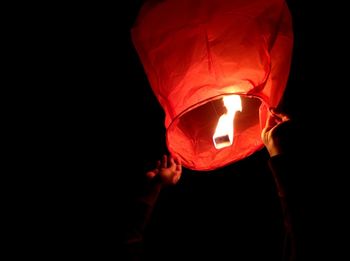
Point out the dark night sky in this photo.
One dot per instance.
(116, 131)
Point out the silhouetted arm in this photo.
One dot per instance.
(167, 172)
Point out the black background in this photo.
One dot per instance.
(106, 128)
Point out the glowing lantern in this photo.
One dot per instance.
(195, 53)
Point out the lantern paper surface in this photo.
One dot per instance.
(195, 52)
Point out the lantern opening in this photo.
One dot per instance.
(194, 131)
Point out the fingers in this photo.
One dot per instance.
(175, 162)
(275, 118)
(158, 164)
(271, 121)
(176, 177)
(279, 116)
(178, 172)
(164, 163)
(178, 168)
(152, 173)
(178, 165)
(168, 168)
(171, 161)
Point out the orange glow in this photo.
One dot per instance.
(196, 52)
(224, 132)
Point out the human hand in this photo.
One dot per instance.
(168, 170)
(270, 136)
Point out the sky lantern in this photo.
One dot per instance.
(216, 67)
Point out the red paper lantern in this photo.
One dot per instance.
(195, 52)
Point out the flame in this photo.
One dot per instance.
(224, 131)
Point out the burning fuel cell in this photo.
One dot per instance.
(224, 132)
(222, 141)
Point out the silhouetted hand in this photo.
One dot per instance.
(168, 170)
(270, 134)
